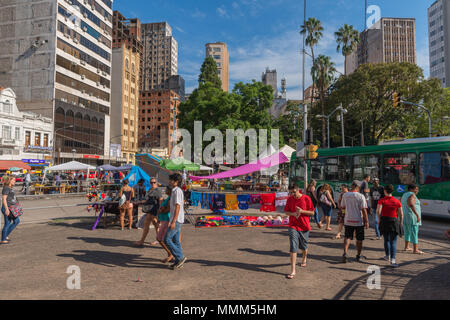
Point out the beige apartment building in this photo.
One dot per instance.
(388, 40)
(219, 52)
(126, 59)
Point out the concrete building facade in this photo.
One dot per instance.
(388, 40)
(157, 119)
(126, 58)
(439, 41)
(160, 55)
(24, 136)
(56, 56)
(269, 78)
(219, 52)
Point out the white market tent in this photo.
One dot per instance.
(71, 166)
(287, 151)
(205, 168)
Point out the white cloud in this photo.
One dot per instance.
(198, 14)
(179, 29)
(282, 53)
(221, 11)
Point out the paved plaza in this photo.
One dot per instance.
(223, 263)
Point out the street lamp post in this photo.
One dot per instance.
(176, 99)
(305, 107)
(343, 111)
(430, 126)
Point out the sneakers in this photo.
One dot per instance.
(344, 258)
(359, 258)
(394, 264)
(178, 265)
(387, 258)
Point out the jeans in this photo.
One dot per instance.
(390, 245)
(172, 240)
(9, 224)
(316, 215)
(377, 228)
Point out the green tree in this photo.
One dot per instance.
(209, 73)
(347, 39)
(367, 94)
(290, 124)
(313, 31)
(322, 73)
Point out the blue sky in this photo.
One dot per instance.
(264, 33)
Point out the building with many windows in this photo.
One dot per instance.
(160, 55)
(56, 56)
(219, 52)
(157, 119)
(388, 40)
(439, 41)
(127, 59)
(24, 136)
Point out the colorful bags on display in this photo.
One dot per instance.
(281, 199)
(231, 202)
(243, 201)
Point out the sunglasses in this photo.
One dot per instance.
(153, 182)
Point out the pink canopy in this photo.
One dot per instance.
(262, 164)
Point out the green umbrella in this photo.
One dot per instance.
(179, 164)
(14, 169)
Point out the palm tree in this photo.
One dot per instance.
(313, 31)
(322, 73)
(347, 39)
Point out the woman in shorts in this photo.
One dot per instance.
(164, 218)
(341, 211)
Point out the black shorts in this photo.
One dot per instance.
(349, 231)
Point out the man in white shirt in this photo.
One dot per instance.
(355, 205)
(172, 238)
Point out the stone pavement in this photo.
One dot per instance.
(223, 263)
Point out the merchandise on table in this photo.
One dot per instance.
(281, 199)
(241, 221)
(268, 202)
(231, 202)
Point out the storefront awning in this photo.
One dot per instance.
(6, 164)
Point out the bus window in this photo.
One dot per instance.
(336, 169)
(434, 167)
(317, 167)
(297, 170)
(366, 164)
(400, 168)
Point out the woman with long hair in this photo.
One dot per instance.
(164, 218)
(9, 201)
(127, 206)
(327, 204)
(311, 192)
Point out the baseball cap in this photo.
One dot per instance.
(356, 183)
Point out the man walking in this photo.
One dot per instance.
(355, 205)
(172, 238)
(299, 208)
(364, 189)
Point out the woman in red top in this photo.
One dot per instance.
(390, 222)
(299, 208)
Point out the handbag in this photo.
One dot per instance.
(151, 206)
(324, 200)
(15, 210)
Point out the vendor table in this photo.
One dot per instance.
(112, 207)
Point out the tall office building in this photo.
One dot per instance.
(219, 52)
(56, 56)
(269, 78)
(388, 40)
(439, 41)
(160, 55)
(126, 58)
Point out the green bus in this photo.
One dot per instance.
(424, 161)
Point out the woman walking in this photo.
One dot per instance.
(311, 192)
(164, 218)
(412, 219)
(10, 209)
(327, 204)
(390, 217)
(127, 206)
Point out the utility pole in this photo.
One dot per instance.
(305, 107)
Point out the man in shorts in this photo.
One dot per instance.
(299, 208)
(355, 204)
